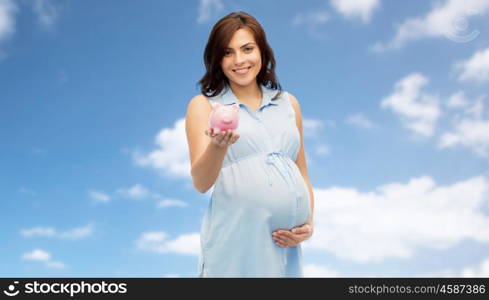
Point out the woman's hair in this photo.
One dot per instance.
(214, 80)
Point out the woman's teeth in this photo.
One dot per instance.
(242, 71)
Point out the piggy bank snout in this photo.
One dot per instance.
(227, 118)
(224, 118)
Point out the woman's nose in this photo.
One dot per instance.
(239, 59)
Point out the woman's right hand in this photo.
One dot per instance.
(223, 139)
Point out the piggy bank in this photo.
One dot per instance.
(223, 117)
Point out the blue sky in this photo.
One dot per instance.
(94, 168)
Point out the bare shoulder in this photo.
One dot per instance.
(199, 100)
(294, 102)
(199, 103)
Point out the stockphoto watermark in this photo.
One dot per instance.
(459, 29)
(71, 288)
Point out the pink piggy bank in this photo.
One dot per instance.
(223, 117)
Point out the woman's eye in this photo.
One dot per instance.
(226, 53)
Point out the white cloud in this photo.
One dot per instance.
(458, 100)
(466, 108)
(311, 127)
(99, 197)
(312, 270)
(475, 68)
(37, 254)
(473, 134)
(481, 270)
(311, 18)
(356, 9)
(77, 233)
(418, 110)
(448, 19)
(7, 20)
(470, 127)
(39, 231)
(171, 154)
(360, 121)
(208, 9)
(476, 110)
(164, 203)
(158, 242)
(73, 234)
(46, 12)
(137, 191)
(55, 265)
(312, 21)
(397, 219)
(43, 256)
(322, 150)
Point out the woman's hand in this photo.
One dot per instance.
(291, 238)
(223, 139)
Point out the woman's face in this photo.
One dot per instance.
(241, 62)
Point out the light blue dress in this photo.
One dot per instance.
(259, 190)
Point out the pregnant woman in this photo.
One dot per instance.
(262, 203)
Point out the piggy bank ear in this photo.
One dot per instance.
(235, 106)
(215, 105)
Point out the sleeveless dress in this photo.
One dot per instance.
(259, 190)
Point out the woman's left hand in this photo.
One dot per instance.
(290, 238)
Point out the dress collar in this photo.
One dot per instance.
(228, 97)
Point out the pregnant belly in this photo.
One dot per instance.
(282, 205)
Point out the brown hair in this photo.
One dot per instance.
(214, 80)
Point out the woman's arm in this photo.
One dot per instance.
(205, 157)
(301, 158)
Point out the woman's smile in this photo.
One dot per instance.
(242, 71)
